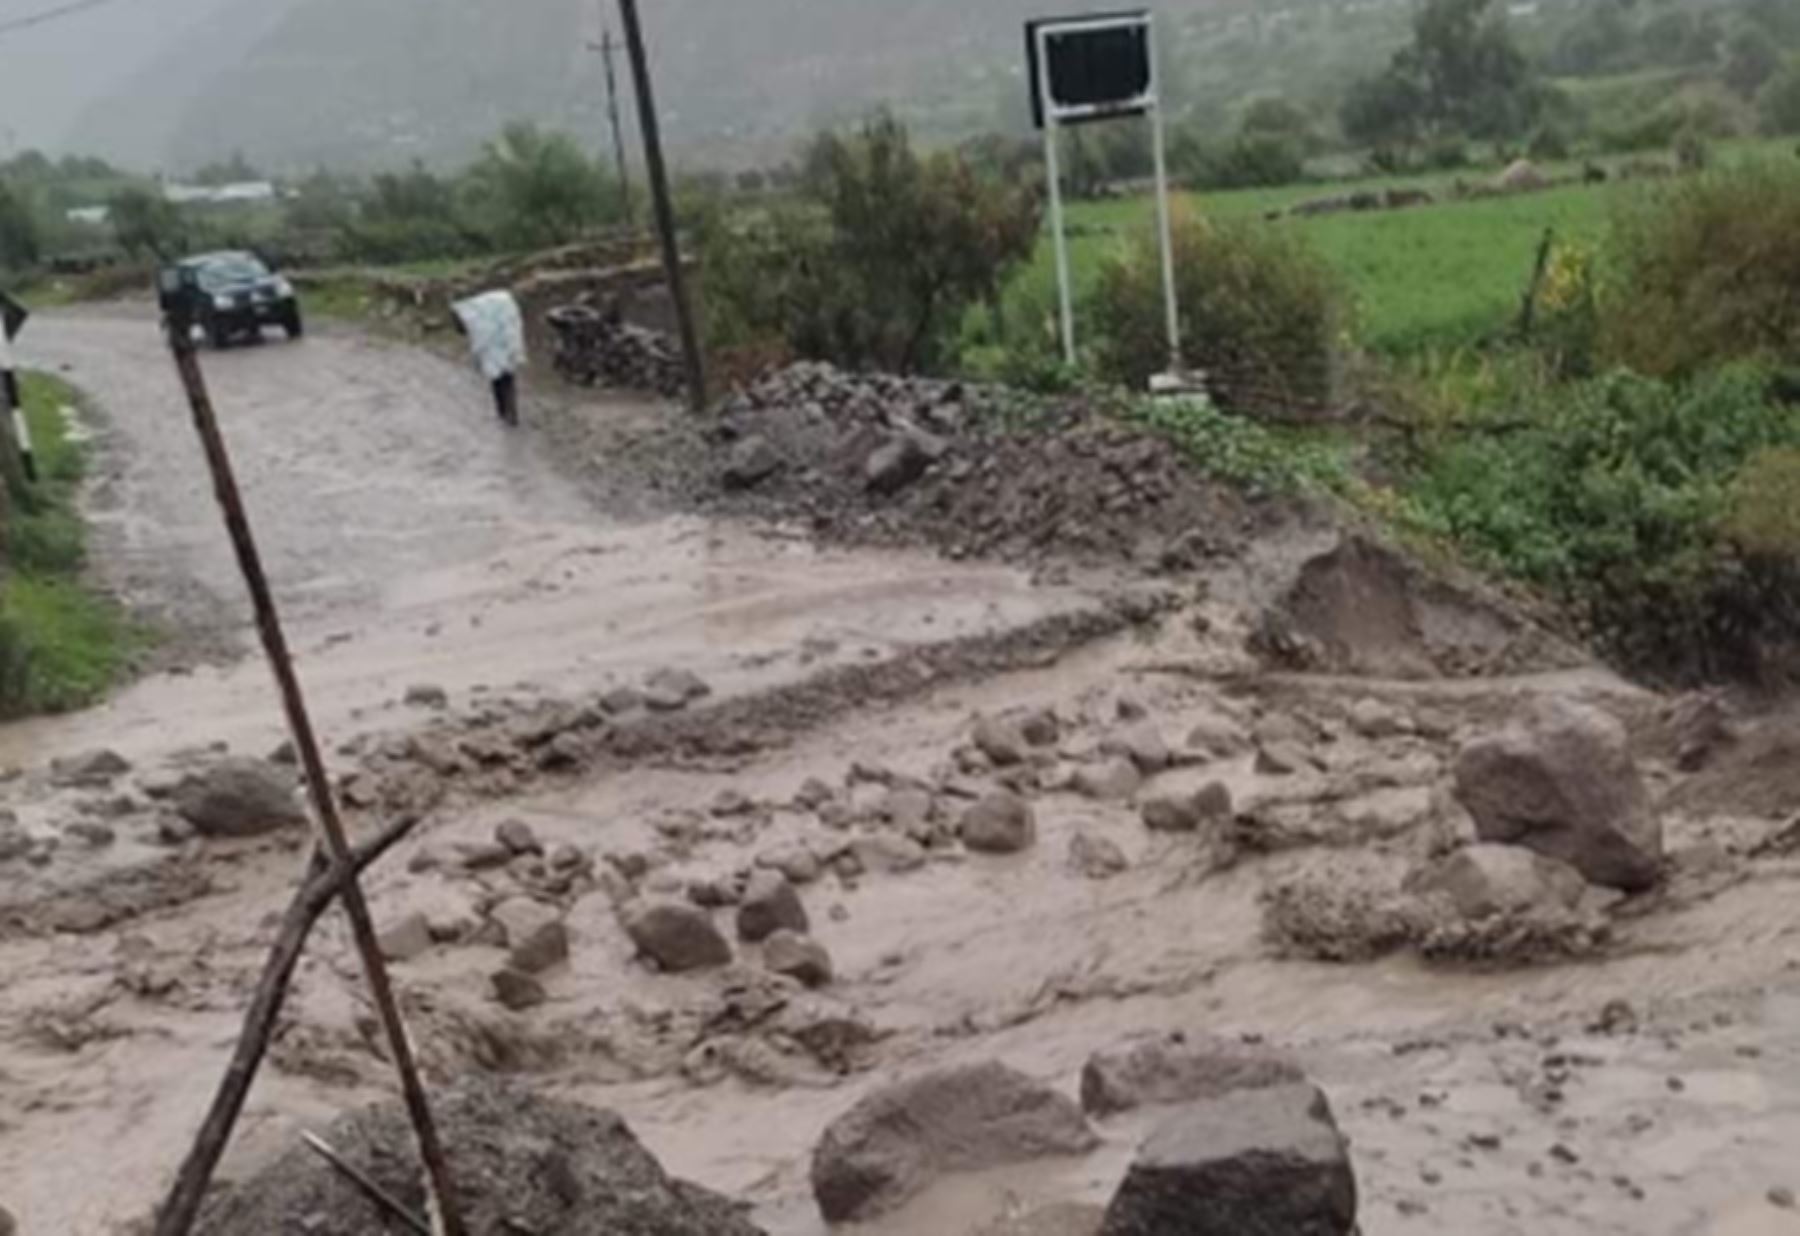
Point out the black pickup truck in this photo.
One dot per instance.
(234, 295)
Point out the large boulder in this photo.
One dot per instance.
(524, 1163)
(675, 935)
(899, 1139)
(1482, 881)
(1563, 783)
(1177, 1068)
(1261, 1162)
(240, 798)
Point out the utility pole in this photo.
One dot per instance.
(665, 210)
(606, 47)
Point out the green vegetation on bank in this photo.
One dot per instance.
(61, 644)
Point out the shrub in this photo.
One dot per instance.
(1249, 161)
(1261, 314)
(1628, 497)
(1704, 270)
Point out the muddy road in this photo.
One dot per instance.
(1643, 1082)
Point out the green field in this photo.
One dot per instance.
(1440, 275)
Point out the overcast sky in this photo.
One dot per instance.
(51, 72)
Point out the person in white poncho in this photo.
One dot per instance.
(495, 330)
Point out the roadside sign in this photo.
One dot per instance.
(1094, 67)
(1087, 69)
(12, 315)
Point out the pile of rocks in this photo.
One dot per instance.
(596, 348)
(878, 459)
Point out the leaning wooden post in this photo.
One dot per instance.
(176, 1220)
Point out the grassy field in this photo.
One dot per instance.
(61, 644)
(1440, 275)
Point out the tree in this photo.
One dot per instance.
(21, 238)
(1462, 74)
(1273, 116)
(235, 170)
(145, 223)
(1751, 61)
(536, 189)
(1779, 103)
(875, 262)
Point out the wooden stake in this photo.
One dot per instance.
(306, 744)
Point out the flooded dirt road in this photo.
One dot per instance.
(1643, 1083)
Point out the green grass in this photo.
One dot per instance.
(1434, 276)
(61, 643)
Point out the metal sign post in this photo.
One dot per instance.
(1088, 69)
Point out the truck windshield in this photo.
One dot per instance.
(229, 271)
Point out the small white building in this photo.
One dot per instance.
(242, 193)
(93, 216)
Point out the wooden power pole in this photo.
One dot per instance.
(665, 210)
(606, 47)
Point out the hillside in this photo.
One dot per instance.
(375, 82)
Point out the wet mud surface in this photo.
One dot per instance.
(1643, 1083)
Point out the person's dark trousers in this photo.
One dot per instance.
(506, 398)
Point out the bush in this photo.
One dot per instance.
(1628, 497)
(1704, 270)
(1249, 161)
(1261, 314)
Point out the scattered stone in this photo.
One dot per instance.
(172, 830)
(1377, 720)
(285, 754)
(89, 770)
(752, 461)
(1096, 858)
(1267, 1160)
(676, 936)
(896, 463)
(769, 904)
(730, 802)
(1217, 737)
(9, 1226)
(1780, 1197)
(518, 837)
(1142, 744)
(1130, 708)
(898, 1139)
(797, 956)
(427, 695)
(91, 833)
(1001, 739)
(533, 931)
(621, 700)
(1482, 881)
(1040, 727)
(1177, 1068)
(906, 807)
(887, 853)
(1112, 780)
(712, 894)
(1563, 783)
(566, 857)
(813, 794)
(1282, 759)
(798, 863)
(1001, 823)
(406, 939)
(239, 798)
(516, 991)
(482, 855)
(670, 690)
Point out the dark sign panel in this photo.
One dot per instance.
(12, 315)
(1098, 66)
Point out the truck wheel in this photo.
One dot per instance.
(294, 326)
(218, 335)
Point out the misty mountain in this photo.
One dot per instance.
(375, 83)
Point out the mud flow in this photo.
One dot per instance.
(770, 771)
